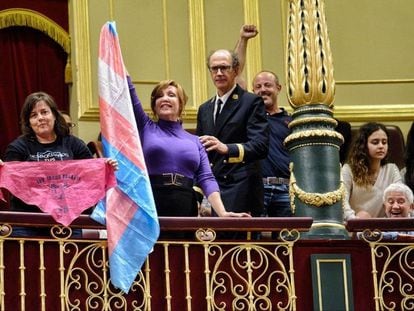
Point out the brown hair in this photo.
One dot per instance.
(60, 127)
(358, 157)
(161, 86)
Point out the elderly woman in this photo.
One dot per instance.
(398, 203)
(175, 159)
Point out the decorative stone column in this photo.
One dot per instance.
(316, 189)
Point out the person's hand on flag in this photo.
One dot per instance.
(111, 162)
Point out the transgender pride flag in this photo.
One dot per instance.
(129, 209)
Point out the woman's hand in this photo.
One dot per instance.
(113, 163)
(217, 204)
(233, 214)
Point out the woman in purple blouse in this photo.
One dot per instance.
(176, 160)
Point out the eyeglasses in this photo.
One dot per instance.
(223, 69)
(70, 124)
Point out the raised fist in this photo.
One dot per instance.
(248, 31)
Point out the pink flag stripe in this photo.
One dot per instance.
(110, 52)
(114, 90)
(118, 219)
(126, 137)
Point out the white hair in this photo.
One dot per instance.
(399, 187)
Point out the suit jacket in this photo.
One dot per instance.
(242, 126)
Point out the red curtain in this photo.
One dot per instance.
(30, 61)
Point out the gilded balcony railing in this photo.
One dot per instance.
(60, 272)
(392, 261)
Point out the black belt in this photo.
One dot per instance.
(171, 179)
(275, 181)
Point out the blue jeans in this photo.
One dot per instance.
(276, 201)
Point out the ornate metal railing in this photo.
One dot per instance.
(198, 272)
(201, 271)
(392, 261)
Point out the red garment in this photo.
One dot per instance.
(63, 189)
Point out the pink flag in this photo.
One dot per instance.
(63, 189)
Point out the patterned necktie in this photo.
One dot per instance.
(219, 104)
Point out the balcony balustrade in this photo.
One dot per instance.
(200, 271)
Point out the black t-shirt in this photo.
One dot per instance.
(63, 148)
(29, 149)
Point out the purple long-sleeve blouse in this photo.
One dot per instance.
(168, 148)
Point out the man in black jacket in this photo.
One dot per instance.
(233, 128)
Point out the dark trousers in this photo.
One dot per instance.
(175, 201)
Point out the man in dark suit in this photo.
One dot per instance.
(233, 128)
